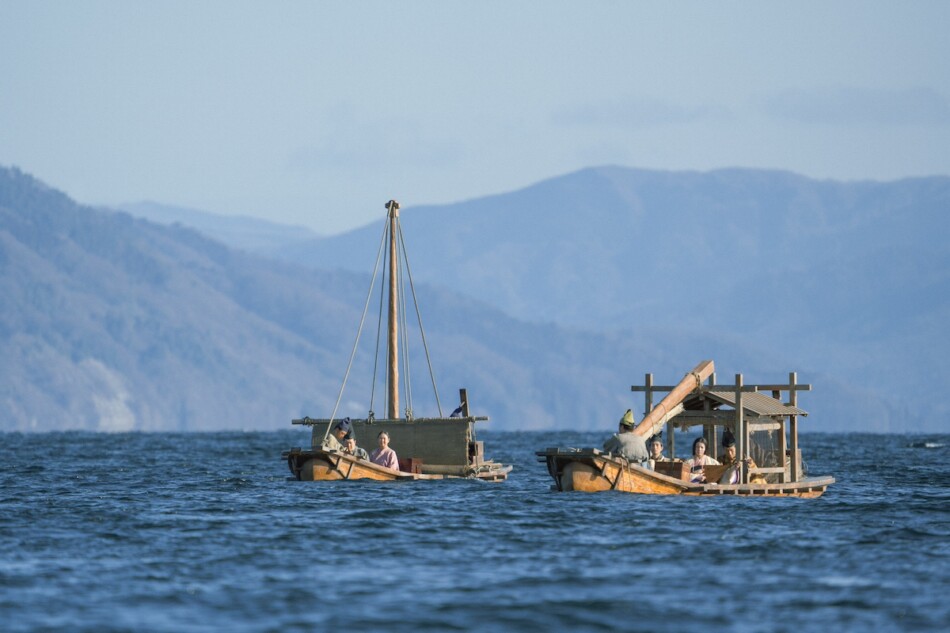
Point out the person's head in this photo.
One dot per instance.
(342, 428)
(729, 444)
(383, 439)
(627, 422)
(699, 447)
(656, 445)
(349, 443)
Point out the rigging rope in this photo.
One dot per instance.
(359, 331)
(422, 331)
(379, 326)
(404, 328)
(403, 322)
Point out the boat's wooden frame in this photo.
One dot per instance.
(591, 470)
(324, 465)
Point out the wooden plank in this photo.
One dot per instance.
(714, 473)
(751, 387)
(769, 469)
(432, 440)
(676, 470)
(726, 416)
(791, 387)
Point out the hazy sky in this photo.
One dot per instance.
(317, 113)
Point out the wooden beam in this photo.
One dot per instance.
(793, 428)
(742, 433)
(770, 469)
(648, 395)
(751, 387)
(789, 387)
(393, 342)
(691, 382)
(463, 399)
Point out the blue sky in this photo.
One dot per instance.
(316, 113)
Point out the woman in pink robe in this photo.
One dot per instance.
(384, 456)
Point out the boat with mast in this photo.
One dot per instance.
(429, 447)
(764, 427)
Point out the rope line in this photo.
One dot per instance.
(359, 331)
(422, 331)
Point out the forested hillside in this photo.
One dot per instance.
(115, 323)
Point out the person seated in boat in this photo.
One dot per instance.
(334, 439)
(656, 451)
(626, 443)
(384, 456)
(698, 461)
(730, 459)
(349, 446)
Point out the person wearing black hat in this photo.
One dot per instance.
(349, 446)
(625, 442)
(730, 459)
(334, 440)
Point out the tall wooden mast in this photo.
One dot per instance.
(393, 400)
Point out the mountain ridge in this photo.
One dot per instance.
(116, 323)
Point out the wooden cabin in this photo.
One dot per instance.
(763, 418)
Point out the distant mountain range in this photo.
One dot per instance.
(546, 303)
(248, 234)
(765, 271)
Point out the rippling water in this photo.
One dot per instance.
(203, 532)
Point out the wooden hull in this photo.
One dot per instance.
(436, 446)
(321, 465)
(590, 470)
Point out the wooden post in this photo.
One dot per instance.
(647, 395)
(742, 435)
(393, 404)
(648, 399)
(782, 441)
(793, 426)
(710, 433)
(463, 398)
(707, 408)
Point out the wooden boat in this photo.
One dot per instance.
(323, 465)
(429, 448)
(763, 426)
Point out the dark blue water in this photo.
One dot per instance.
(203, 532)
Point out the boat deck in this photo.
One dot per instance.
(592, 470)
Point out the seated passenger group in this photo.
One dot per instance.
(630, 445)
(341, 439)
